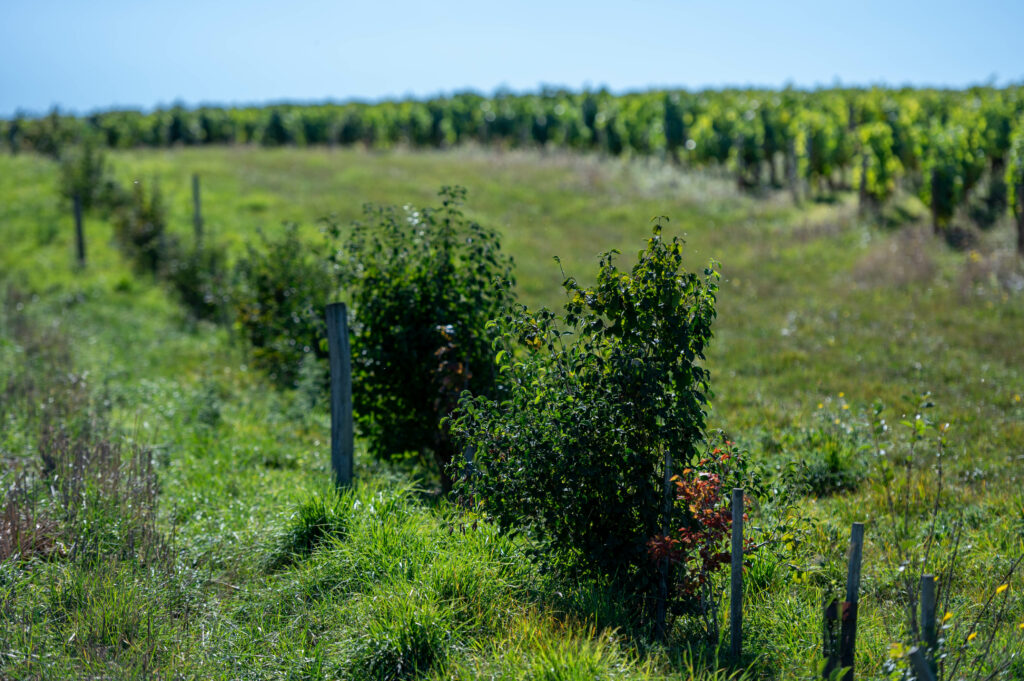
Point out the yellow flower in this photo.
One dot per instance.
(846, 406)
(1016, 398)
(821, 406)
(1002, 588)
(896, 651)
(947, 617)
(973, 636)
(842, 394)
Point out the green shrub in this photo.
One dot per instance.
(83, 173)
(200, 278)
(140, 228)
(604, 402)
(278, 299)
(423, 285)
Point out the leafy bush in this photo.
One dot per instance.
(697, 546)
(200, 278)
(279, 296)
(604, 402)
(83, 173)
(140, 228)
(423, 285)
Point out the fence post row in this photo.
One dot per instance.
(736, 597)
(79, 231)
(342, 435)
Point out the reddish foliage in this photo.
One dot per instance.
(700, 546)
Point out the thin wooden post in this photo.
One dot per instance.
(830, 643)
(929, 632)
(862, 191)
(736, 599)
(661, 613)
(79, 231)
(197, 212)
(791, 171)
(848, 635)
(342, 435)
(920, 665)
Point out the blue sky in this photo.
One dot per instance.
(98, 54)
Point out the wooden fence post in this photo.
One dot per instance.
(830, 643)
(920, 665)
(197, 212)
(661, 613)
(848, 631)
(791, 162)
(79, 231)
(736, 599)
(342, 435)
(929, 632)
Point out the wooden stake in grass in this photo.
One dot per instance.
(342, 435)
(921, 666)
(736, 599)
(197, 212)
(830, 644)
(848, 631)
(79, 231)
(929, 632)
(661, 614)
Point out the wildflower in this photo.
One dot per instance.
(1002, 588)
(947, 617)
(972, 636)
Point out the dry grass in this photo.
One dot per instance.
(902, 261)
(85, 493)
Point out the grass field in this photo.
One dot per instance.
(821, 314)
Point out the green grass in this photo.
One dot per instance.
(820, 314)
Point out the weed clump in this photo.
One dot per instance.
(318, 520)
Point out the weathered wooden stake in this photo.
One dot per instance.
(736, 599)
(197, 212)
(342, 435)
(661, 615)
(830, 643)
(921, 666)
(929, 632)
(848, 635)
(79, 231)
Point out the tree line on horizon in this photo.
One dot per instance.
(960, 151)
